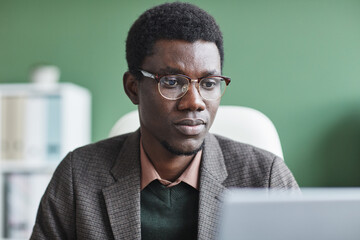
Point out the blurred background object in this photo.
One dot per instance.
(45, 76)
(40, 122)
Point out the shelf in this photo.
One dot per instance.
(17, 166)
(13, 238)
(39, 126)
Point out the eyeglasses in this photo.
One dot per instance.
(175, 86)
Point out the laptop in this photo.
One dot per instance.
(313, 214)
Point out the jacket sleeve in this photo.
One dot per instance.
(56, 214)
(281, 176)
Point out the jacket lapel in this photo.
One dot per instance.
(123, 197)
(212, 174)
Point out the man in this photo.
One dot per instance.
(165, 180)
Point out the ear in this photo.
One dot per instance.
(131, 85)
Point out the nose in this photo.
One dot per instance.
(192, 100)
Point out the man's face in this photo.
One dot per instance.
(180, 125)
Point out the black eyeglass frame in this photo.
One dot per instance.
(157, 78)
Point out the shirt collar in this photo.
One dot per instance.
(149, 173)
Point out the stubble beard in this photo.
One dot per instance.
(178, 152)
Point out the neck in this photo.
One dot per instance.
(168, 165)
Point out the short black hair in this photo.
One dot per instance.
(180, 21)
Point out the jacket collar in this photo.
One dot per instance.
(123, 197)
(213, 159)
(212, 174)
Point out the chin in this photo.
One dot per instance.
(182, 150)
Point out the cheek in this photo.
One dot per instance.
(212, 108)
(152, 107)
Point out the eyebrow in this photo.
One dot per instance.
(171, 70)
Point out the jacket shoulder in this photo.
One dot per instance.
(98, 157)
(249, 166)
(105, 148)
(248, 153)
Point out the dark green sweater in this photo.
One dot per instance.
(169, 213)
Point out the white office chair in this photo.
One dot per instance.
(242, 124)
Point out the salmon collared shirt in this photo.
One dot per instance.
(149, 173)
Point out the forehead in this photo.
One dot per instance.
(191, 58)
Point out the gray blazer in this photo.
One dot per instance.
(95, 191)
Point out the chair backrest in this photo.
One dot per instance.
(242, 124)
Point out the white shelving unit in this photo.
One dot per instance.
(10, 166)
(69, 118)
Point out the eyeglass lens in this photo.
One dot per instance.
(174, 87)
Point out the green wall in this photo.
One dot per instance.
(296, 61)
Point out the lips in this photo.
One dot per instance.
(190, 127)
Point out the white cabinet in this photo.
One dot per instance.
(38, 127)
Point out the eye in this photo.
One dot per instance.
(209, 83)
(173, 82)
(169, 81)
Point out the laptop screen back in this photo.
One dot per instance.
(330, 214)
